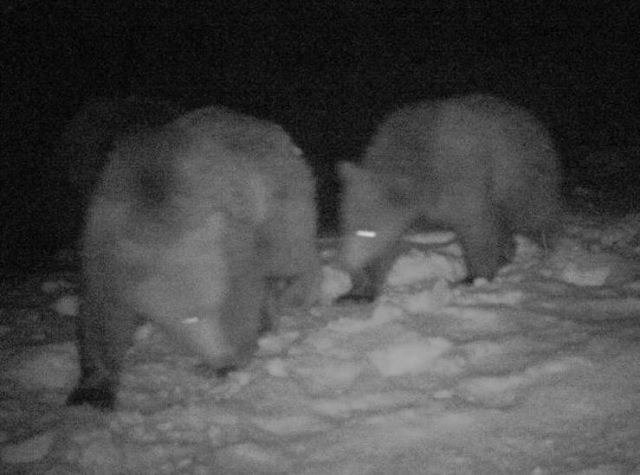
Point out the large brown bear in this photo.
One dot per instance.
(203, 226)
(476, 165)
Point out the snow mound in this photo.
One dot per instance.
(575, 264)
(66, 305)
(417, 266)
(50, 367)
(411, 357)
(335, 282)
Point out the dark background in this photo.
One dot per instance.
(327, 71)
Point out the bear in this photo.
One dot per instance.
(89, 135)
(476, 165)
(205, 226)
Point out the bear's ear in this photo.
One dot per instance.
(350, 172)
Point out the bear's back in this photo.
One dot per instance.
(226, 143)
(411, 139)
(438, 143)
(208, 161)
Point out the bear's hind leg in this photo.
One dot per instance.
(105, 333)
(487, 244)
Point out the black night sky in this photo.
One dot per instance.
(326, 71)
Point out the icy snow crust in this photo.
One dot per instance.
(537, 372)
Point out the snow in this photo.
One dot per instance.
(28, 450)
(66, 305)
(414, 356)
(335, 282)
(536, 372)
(52, 366)
(416, 266)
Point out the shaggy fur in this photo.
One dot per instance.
(477, 165)
(206, 226)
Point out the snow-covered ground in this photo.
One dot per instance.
(537, 373)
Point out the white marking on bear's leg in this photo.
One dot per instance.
(366, 233)
(190, 320)
(366, 245)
